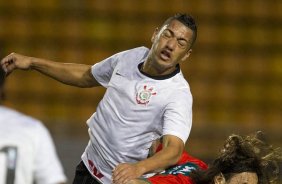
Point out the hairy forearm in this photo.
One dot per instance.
(68, 73)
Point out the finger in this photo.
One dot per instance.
(6, 59)
(11, 54)
(11, 57)
(122, 179)
(121, 174)
(119, 169)
(126, 179)
(4, 66)
(8, 68)
(8, 64)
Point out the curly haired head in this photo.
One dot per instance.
(244, 154)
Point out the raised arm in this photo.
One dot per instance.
(68, 73)
(168, 156)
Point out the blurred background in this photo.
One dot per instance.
(235, 70)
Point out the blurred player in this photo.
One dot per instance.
(27, 153)
(147, 97)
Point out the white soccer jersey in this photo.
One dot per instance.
(135, 110)
(27, 153)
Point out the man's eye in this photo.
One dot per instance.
(182, 43)
(167, 34)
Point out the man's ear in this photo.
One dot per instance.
(187, 54)
(219, 179)
(155, 34)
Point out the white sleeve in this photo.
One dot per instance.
(103, 70)
(48, 169)
(178, 116)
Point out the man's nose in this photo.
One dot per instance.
(171, 43)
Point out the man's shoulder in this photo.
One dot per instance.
(138, 52)
(16, 125)
(179, 84)
(12, 116)
(141, 50)
(129, 59)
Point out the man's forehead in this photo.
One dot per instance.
(178, 28)
(176, 24)
(244, 177)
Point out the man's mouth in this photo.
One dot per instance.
(165, 55)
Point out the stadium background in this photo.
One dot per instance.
(235, 70)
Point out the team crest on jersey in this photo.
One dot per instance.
(144, 95)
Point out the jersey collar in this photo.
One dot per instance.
(161, 77)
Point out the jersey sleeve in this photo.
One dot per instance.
(48, 169)
(178, 115)
(103, 70)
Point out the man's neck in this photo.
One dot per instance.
(151, 70)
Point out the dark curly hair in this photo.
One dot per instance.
(244, 154)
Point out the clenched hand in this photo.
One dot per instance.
(15, 61)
